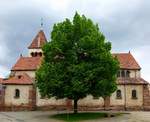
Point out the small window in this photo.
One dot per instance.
(17, 93)
(118, 94)
(122, 73)
(40, 54)
(19, 76)
(134, 94)
(128, 74)
(36, 54)
(32, 54)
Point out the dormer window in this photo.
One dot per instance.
(19, 76)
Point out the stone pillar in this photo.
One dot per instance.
(146, 97)
(32, 98)
(2, 98)
(107, 103)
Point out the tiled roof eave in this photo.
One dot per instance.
(132, 83)
(17, 83)
(34, 47)
(124, 68)
(23, 69)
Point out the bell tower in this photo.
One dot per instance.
(35, 48)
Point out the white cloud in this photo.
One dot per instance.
(4, 71)
(124, 22)
(3, 48)
(142, 55)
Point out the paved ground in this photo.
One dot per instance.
(40, 116)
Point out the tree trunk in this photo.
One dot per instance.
(75, 106)
(106, 103)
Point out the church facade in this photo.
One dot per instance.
(18, 92)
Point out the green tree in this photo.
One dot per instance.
(77, 62)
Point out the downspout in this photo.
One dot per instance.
(143, 96)
(125, 97)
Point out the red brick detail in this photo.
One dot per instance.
(2, 99)
(146, 97)
(32, 98)
(69, 104)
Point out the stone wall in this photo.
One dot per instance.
(30, 73)
(134, 102)
(135, 73)
(10, 99)
(30, 99)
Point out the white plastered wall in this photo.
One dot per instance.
(10, 93)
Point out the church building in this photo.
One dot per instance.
(18, 92)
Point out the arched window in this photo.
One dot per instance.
(32, 54)
(134, 94)
(128, 74)
(36, 54)
(122, 73)
(40, 54)
(118, 94)
(17, 93)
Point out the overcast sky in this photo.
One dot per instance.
(125, 23)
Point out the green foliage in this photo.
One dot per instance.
(79, 117)
(77, 62)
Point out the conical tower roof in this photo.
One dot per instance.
(38, 41)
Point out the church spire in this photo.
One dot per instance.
(38, 41)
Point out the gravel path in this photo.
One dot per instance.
(43, 116)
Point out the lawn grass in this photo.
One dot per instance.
(71, 117)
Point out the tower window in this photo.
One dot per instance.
(40, 54)
(36, 54)
(17, 93)
(32, 54)
(122, 73)
(118, 94)
(134, 94)
(128, 74)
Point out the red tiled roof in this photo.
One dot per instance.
(38, 41)
(27, 63)
(127, 61)
(22, 79)
(131, 81)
